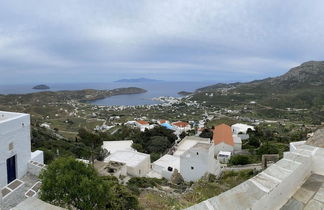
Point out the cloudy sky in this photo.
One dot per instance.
(191, 40)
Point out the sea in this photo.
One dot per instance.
(154, 89)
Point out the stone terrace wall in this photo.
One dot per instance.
(272, 188)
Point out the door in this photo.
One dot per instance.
(11, 169)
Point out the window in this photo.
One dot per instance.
(139, 172)
(192, 168)
(11, 146)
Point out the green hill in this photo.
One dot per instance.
(301, 87)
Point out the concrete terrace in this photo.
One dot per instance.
(309, 196)
(294, 182)
(18, 195)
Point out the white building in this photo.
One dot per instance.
(241, 128)
(137, 163)
(15, 149)
(166, 165)
(180, 127)
(142, 125)
(223, 156)
(225, 140)
(198, 161)
(114, 146)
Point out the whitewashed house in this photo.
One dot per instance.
(142, 125)
(137, 163)
(241, 128)
(115, 146)
(166, 165)
(225, 140)
(15, 149)
(180, 127)
(223, 156)
(198, 161)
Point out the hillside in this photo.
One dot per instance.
(301, 87)
(63, 96)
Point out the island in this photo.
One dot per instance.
(41, 87)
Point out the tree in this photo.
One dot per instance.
(182, 135)
(93, 141)
(158, 144)
(72, 184)
(206, 133)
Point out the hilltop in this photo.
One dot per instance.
(301, 88)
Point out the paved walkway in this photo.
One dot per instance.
(18, 195)
(310, 196)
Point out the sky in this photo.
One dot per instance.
(66, 41)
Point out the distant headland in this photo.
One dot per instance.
(41, 87)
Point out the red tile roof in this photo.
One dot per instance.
(162, 121)
(223, 133)
(180, 124)
(142, 122)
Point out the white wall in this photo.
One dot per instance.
(38, 156)
(223, 147)
(16, 131)
(141, 169)
(199, 162)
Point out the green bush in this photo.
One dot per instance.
(239, 160)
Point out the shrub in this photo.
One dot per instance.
(239, 160)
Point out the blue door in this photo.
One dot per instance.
(11, 169)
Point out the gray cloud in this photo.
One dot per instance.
(52, 41)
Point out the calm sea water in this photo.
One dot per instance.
(154, 89)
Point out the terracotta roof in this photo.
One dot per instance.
(180, 124)
(223, 133)
(162, 121)
(142, 122)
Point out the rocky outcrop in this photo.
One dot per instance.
(317, 139)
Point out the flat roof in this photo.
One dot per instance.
(202, 146)
(168, 160)
(225, 153)
(7, 116)
(189, 142)
(130, 158)
(114, 146)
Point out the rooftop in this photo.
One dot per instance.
(7, 116)
(294, 182)
(180, 124)
(202, 146)
(130, 158)
(188, 142)
(35, 203)
(114, 146)
(223, 133)
(168, 160)
(142, 122)
(309, 196)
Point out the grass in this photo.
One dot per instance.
(200, 191)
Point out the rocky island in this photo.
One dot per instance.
(41, 87)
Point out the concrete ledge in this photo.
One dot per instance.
(272, 188)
